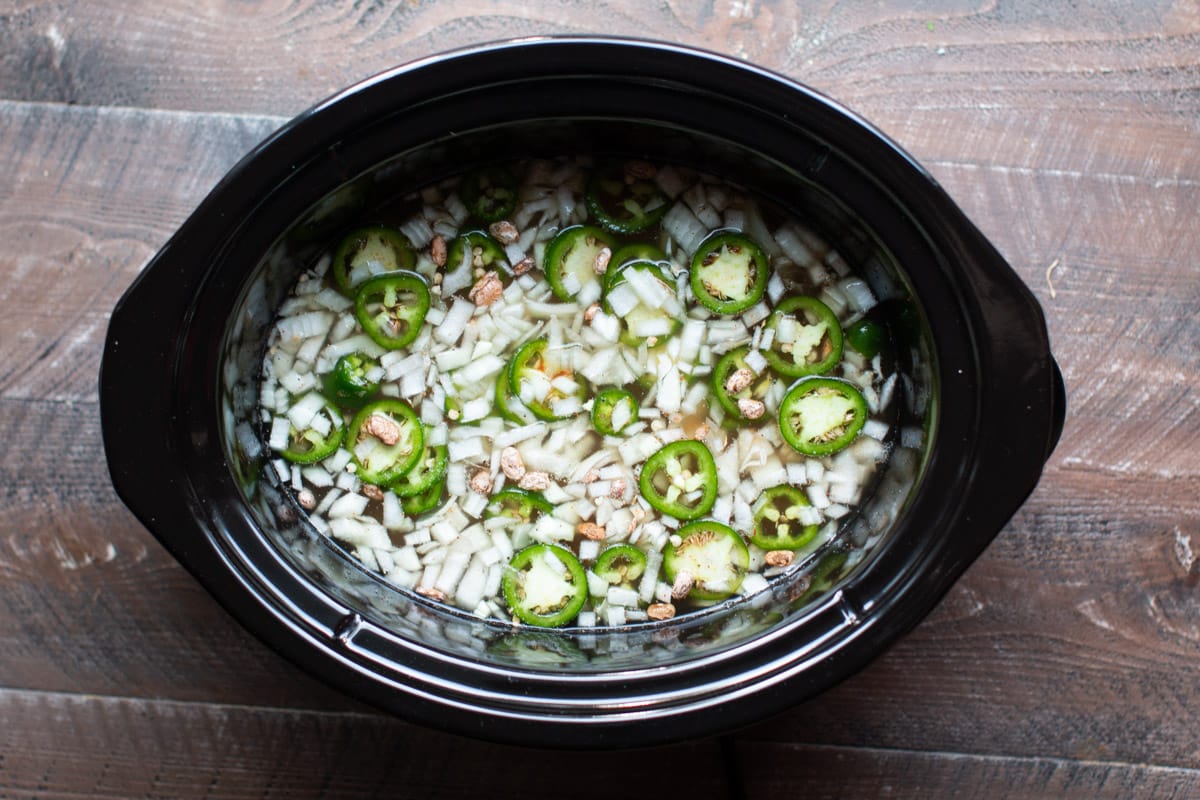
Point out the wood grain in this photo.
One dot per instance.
(827, 773)
(1066, 662)
(99, 747)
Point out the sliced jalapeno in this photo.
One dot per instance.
(386, 440)
(571, 258)
(714, 557)
(680, 479)
(623, 203)
(320, 438)
(347, 383)
(544, 585)
(653, 313)
(509, 406)
(477, 249)
(638, 251)
(807, 340)
(613, 410)
(734, 380)
(777, 514)
(417, 504)
(729, 272)
(620, 564)
(519, 505)
(391, 308)
(489, 193)
(429, 469)
(543, 383)
(819, 416)
(370, 251)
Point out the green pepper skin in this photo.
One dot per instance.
(808, 395)
(620, 564)
(308, 446)
(637, 251)
(574, 249)
(429, 469)
(757, 389)
(514, 585)
(347, 382)
(388, 246)
(783, 532)
(603, 406)
(489, 193)
(417, 504)
(866, 336)
(485, 252)
(508, 405)
(671, 459)
(531, 357)
(391, 308)
(713, 554)
(386, 463)
(714, 251)
(617, 202)
(811, 311)
(520, 505)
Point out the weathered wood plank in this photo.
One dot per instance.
(89, 195)
(1074, 636)
(1017, 79)
(90, 602)
(1061, 665)
(60, 746)
(831, 773)
(85, 214)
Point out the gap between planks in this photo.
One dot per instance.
(743, 739)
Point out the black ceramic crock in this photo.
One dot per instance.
(185, 450)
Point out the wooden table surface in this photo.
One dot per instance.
(1066, 662)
